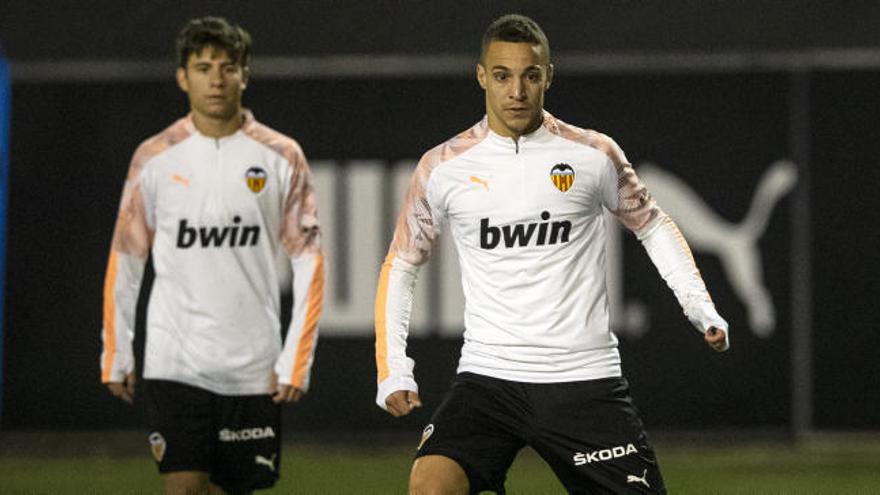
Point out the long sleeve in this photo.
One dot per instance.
(671, 255)
(394, 297)
(295, 362)
(414, 237)
(132, 238)
(627, 197)
(301, 239)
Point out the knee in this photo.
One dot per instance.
(437, 475)
(186, 483)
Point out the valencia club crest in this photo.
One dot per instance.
(256, 179)
(562, 176)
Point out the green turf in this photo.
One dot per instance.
(843, 469)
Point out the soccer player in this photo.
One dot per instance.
(217, 198)
(522, 193)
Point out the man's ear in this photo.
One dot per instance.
(549, 77)
(481, 75)
(182, 81)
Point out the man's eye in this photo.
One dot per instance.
(500, 76)
(534, 77)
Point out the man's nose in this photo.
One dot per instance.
(518, 91)
(216, 78)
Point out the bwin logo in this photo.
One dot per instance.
(520, 234)
(232, 236)
(581, 458)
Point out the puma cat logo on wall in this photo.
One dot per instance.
(736, 244)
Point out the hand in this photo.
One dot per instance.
(124, 390)
(717, 339)
(282, 393)
(402, 402)
(287, 393)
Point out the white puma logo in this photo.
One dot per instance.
(735, 244)
(631, 478)
(269, 463)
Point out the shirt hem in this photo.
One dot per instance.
(545, 376)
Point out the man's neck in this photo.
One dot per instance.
(216, 127)
(501, 130)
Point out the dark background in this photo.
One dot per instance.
(43, 29)
(716, 128)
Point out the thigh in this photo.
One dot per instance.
(479, 425)
(247, 454)
(592, 436)
(181, 426)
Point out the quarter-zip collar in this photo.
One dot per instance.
(526, 139)
(248, 123)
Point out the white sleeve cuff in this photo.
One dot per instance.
(704, 316)
(392, 384)
(123, 364)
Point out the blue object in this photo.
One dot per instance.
(5, 111)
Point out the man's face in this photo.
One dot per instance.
(515, 76)
(214, 83)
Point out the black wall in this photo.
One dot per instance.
(718, 131)
(109, 29)
(70, 150)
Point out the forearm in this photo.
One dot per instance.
(672, 256)
(294, 365)
(394, 297)
(121, 288)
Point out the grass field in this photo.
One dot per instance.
(827, 467)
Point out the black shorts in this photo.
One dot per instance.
(589, 432)
(237, 439)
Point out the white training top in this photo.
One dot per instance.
(527, 221)
(217, 215)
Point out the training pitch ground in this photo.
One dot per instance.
(107, 463)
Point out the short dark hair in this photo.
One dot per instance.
(216, 32)
(514, 28)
